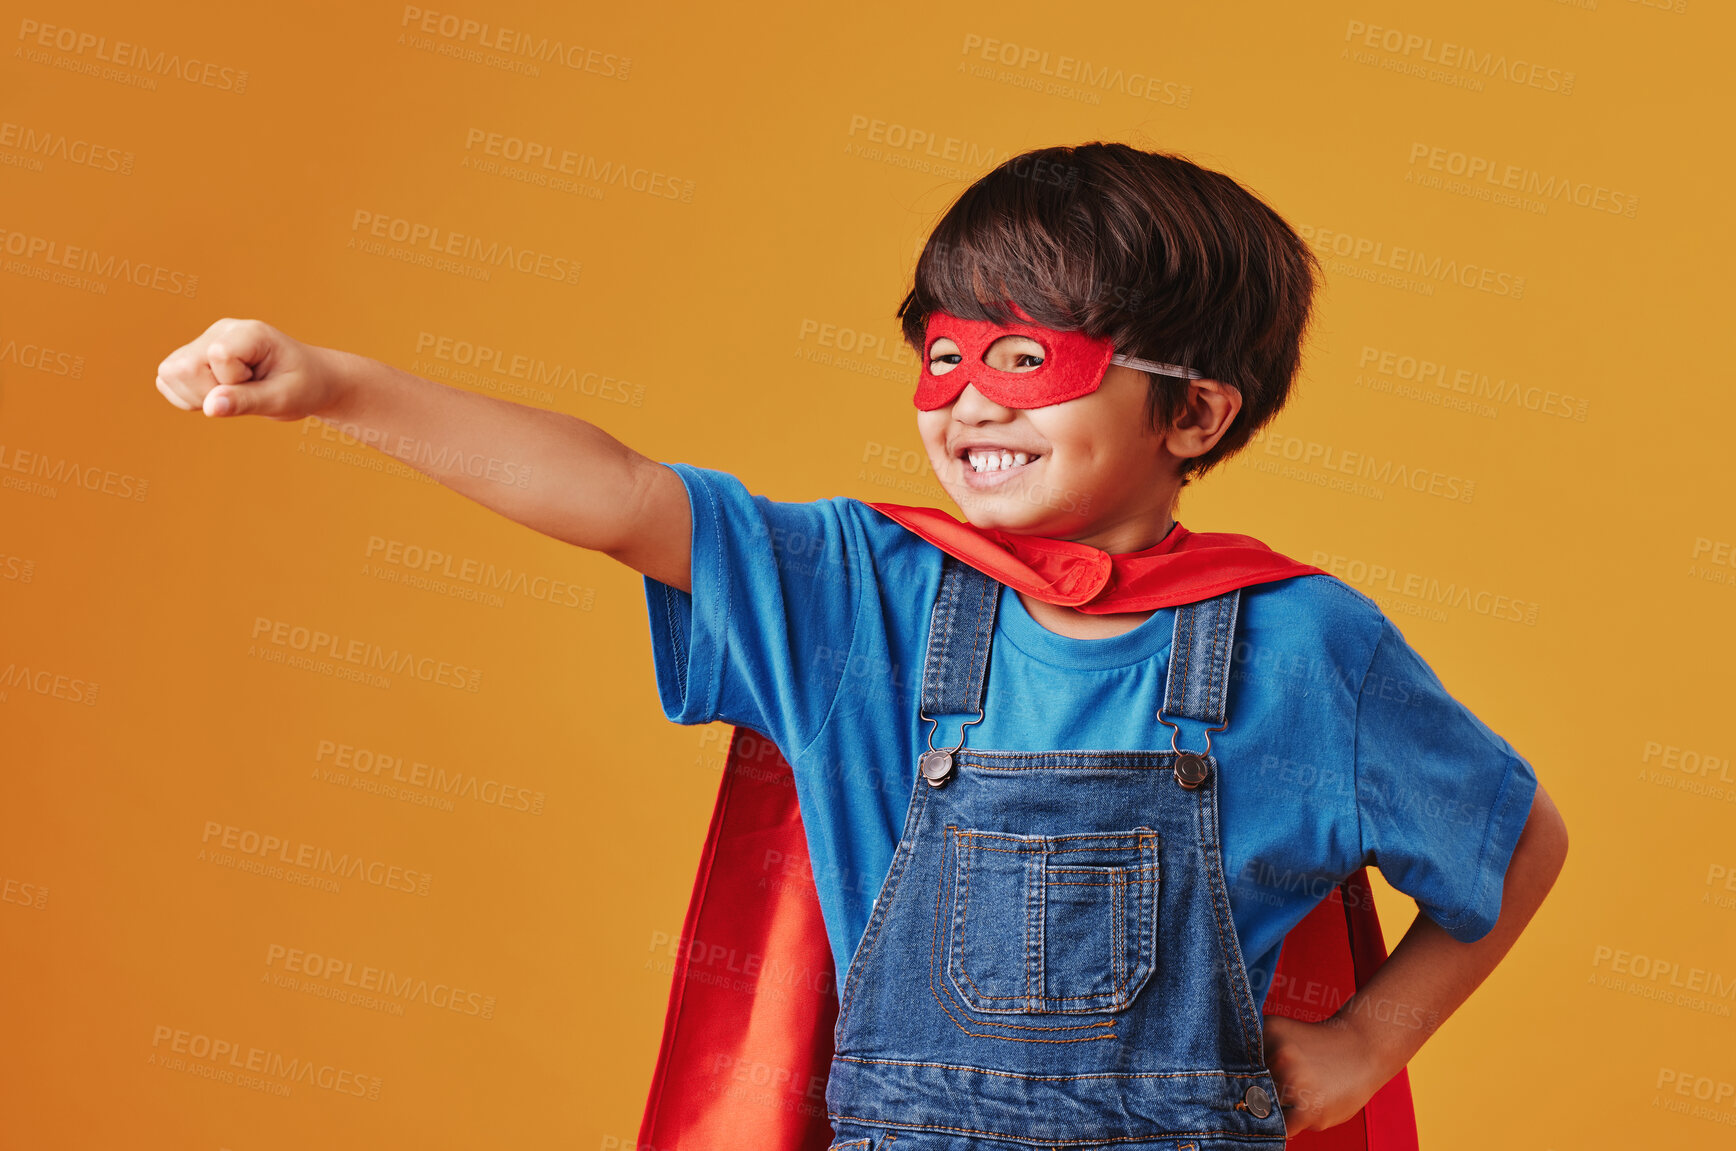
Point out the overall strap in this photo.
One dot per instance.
(1199, 659)
(956, 667)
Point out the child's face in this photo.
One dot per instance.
(1094, 471)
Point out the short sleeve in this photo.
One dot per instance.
(1441, 799)
(763, 638)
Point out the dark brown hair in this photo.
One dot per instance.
(1170, 261)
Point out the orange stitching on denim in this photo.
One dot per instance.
(933, 963)
(1115, 996)
(1118, 970)
(1001, 768)
(1186, 619)
(976, 645)
(1094, 868)
(1028, 1027)
(1025, 1138)
(1035, 851)
(961, 907)
(1140, 833)
(1098, 757)
(1044, 845)
(1054, 1078)
(1108, 879)
(1235, 968)
(1025, 955)
(939, 901)
(1106, 870)
(983, 602)
(1118, 997)
(1241, 1013)
(882, 913)
(1118, 938)
(1068, 761)
(1117, 1000)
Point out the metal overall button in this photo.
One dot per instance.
(1190, 769)
(1256, 1100)
(935, 764)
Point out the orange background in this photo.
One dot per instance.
(731, 306)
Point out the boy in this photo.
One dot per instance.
(1040, 936)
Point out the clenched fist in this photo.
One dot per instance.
(245, 367)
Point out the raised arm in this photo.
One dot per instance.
(561, 475)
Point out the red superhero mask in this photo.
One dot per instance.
(1073, 364)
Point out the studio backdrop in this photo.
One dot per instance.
(304, 755)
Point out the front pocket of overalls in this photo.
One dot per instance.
(1062, 923)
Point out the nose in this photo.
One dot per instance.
(972, 406)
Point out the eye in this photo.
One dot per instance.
(1015, 354)
(943, 357)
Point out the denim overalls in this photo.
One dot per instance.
(1051, 961)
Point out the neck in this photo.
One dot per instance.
(1133, 536)
(1140, 522)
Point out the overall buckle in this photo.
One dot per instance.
(935, 764)
(1191, 767)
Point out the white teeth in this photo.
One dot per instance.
(994, 460)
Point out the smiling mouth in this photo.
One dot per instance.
(986, 461)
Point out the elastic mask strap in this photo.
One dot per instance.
(1156, 368)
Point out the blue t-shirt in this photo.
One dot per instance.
(808, 622)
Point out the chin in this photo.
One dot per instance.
(998, 513)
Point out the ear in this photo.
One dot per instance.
(1208, 410)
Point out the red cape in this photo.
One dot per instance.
(1181, 568)
(747, 1039)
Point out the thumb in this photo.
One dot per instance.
(248, 398)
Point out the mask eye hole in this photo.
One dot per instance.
(943, 356)
(1015, 354)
